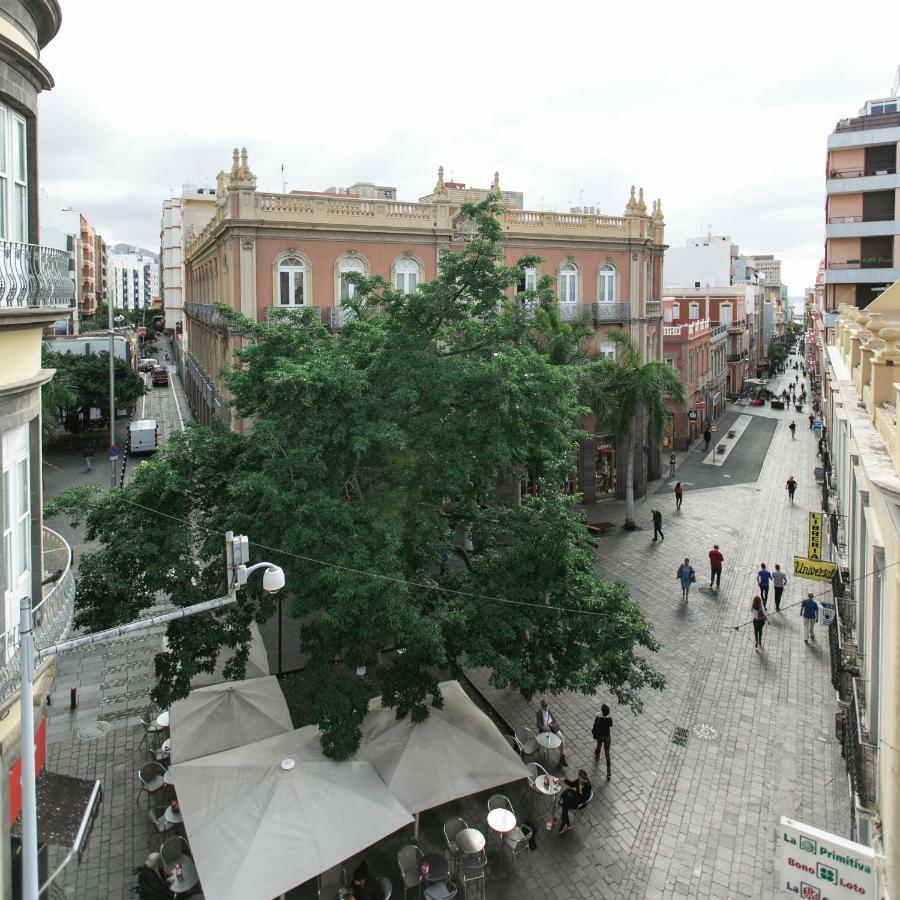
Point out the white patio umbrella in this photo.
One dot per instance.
(257, 662)
(266, 817)
(457, 751)
(225, 715)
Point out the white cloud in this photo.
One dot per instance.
(722, 111)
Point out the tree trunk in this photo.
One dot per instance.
(630, 524)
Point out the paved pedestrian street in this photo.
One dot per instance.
(737, 739)
(700, 778)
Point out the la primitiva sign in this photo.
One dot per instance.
(816, 865)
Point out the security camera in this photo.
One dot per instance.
(273, 579)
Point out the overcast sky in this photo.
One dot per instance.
(720, 109)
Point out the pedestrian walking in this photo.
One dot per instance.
(791, 488)
(779, 580)
(793, 427)
(715, 566)
(89, 458)
(809, 610)
(707, 437)
(758, 615)
(812, 419)
(657, 525)
(679, 495)
(601, 732)
(763, 576)
(687, 576)
(672, 466)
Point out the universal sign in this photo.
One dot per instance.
(816, 569)
(817, 865)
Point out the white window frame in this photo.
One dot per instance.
(694, 312)
(676, 311)
(668, 315)
(607, 283)
(295, 268)
(13, 176)
(723, 308)
(531, 279)
(607, 349)
(343, 289)
(16, 525)
(407, 274)
(568, 282)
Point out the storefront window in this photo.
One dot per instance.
(606, 467)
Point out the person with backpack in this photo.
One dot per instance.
(791, 488)
(601, 734)
(687, 576)
(758, 615)
(657, 525)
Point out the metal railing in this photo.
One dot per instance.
(869, 262)
(848, 220)
(735, 357)
(570, 311)
(339, 316)
(52, 616)
(611, 312)
(864, 123)
(280, 315)
(860, 750)
(207, 313)
(862, 172)
(31, 275)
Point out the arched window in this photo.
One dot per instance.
(725, 314)
(568, 283)
(348, 264)
(676, 311)
(406, 275)
(606, 289)
(291, 281)
(694, 311)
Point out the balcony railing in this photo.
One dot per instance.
(860, 750)
(864, 123)
(850, 220)
(870, 262)
(34, 276)
(208, 314)
(52, 616)
(281, 314)
(862, 172)
(339, 316)
(570, 311)
(653, 308)
(611, 312)
(735, 357)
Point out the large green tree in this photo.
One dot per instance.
(370, 474)
(86, 379)
(621, 387)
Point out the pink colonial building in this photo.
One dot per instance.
(263, 251)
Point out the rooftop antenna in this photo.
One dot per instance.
(283, 187)
(895, 88)
(581, 198)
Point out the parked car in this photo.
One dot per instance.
(143, 436)
(160, 376)
(147, 364)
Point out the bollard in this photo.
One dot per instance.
(73, 698)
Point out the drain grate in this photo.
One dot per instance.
(680, 737)
(93, 731)
(705, 732)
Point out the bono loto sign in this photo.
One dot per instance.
(816, 865)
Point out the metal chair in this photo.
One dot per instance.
(519, 841)
(452, 827)
(157, 817)
(535, 771)
(527, 741)
(513, 743)
(151, 780)
(471, 869)
(152, 731)
(330, 882)
(174, 850)
(499, 801)
(583, 810)
(386, 887)
(441, 890)
(409, 859)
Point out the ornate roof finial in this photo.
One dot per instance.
(495, 184)
(631, 205)
(642, 207)
(440, 189)
(235, 173)
(245, 169)
(657, 211)
(220, 184)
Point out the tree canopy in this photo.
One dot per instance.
(370, 475)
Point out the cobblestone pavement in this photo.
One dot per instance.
(694, 813)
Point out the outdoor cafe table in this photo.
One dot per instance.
(548, 741)
(470, 840)
(173, 815)
(187, 880)
(167, 778)
(552, 789)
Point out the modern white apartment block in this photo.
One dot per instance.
(133, 280)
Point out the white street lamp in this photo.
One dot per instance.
(237, 556)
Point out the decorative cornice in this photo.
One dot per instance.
(26, 64)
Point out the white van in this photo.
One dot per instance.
(143, 435)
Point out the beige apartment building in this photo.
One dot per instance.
(862, 231)
(862, 395)
(262, 251)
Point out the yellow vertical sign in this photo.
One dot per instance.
(814, 551)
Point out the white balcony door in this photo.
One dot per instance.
(16, 530)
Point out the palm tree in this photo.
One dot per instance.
(618, 388)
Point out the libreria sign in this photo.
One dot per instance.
(817, 865)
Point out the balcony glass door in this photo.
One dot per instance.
(16, 531)
(13, 176)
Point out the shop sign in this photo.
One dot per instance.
(700, 404)
(716, 398)
(604, 448)
(814, 569)
(817, 865)
(692, 416)
(814, 548)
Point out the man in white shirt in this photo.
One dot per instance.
(779, 580)
(546, 721)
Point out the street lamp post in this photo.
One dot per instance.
(237, 556)
(112, 395)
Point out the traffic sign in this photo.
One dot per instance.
(713, 427)
(113, 452)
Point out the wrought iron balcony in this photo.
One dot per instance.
(208, 314)
(861, 759)
(612, 312)
(280, 315)
(735, 357)
(339, 316)
(570, 311)
(34, 276)
(52, 616)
